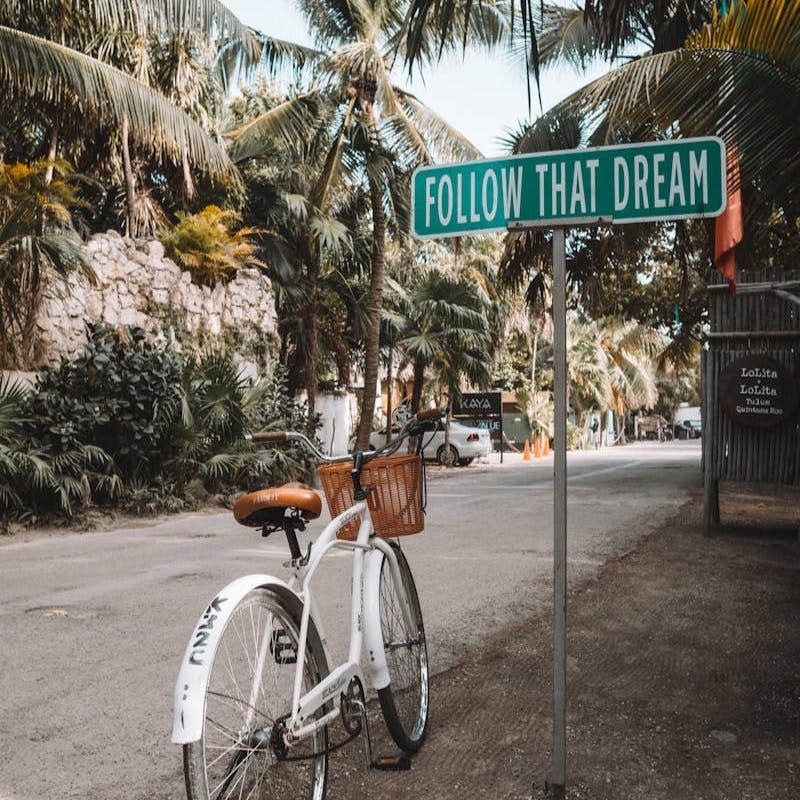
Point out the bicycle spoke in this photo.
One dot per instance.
(249, 690)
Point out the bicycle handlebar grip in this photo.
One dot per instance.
(270, 436)
(431, 413)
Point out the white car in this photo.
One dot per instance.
(466, 443)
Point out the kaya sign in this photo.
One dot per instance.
(623, 183)
(757, 390)
(478, 404)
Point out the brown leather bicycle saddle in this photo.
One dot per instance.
(269, 505)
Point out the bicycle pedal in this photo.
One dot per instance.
(395, 763)
(282, 647)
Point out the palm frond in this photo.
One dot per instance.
(737, 78)
(288, 121)
(277, 54)
(441, 140)
(37, 69)
(433, 27)
(332, 21)
(566, 34)
(332, 235)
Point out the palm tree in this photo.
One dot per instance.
(737, 76)
(631, 350)
(307, 218)
(442, 330)
(611, 365)
(380, 130)
(541, 31)
(42, 59)
(36, 235)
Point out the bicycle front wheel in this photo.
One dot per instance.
(242, 752)
(404, 702)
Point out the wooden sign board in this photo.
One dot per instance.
(480, 404)
(758, 391)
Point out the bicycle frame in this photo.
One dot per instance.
(365, 630)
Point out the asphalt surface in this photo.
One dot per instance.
(93, 626)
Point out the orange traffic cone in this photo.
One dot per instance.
(537, 447)
(546, 448)
(526, 453)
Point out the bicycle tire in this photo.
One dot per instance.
(237, 757)
(405, 701)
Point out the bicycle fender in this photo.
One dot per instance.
(374, 655)
(190, 688)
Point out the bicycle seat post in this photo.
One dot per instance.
(289, 526)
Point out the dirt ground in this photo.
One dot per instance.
(683, 679)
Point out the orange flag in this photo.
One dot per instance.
(729, 229)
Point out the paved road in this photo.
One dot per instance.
(93, 626)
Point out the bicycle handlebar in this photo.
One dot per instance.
(269, 436)
(413, 427)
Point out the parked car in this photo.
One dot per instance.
(688, 422)
(466, 444)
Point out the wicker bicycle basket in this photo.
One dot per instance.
(395, 502)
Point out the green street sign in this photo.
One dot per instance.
(622, 183)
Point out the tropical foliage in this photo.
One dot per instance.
(612, 365)
(308, 180)
(132, 425)
(376, 131)
(37, 476)
(207, 245)
(94, 72)
(699, 69)
(36, 236)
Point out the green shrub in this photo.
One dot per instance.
(121, 395)
(131, 425)
(220, 407)
(277, 411)
(38, 479)
(574, 436)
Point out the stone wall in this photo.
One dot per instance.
(137, 285)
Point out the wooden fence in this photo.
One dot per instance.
(762, 320)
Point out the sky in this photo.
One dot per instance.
(482, 96)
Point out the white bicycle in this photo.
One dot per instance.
(256, 701)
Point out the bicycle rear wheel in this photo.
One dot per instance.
(242, 753)
(404, 702)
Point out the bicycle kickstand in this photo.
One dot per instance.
(398, 763)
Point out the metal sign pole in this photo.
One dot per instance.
(559, 516)
(559, 765)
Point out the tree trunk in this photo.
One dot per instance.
(448, 453)
(32, 295)
(416, 397)
(533, 379)
(312, 337)
(130, 181)
(419, 379)
(189, 189)
(389, 396)
(52, 152)
(374, 306)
